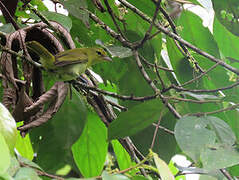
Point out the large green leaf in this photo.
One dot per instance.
(208, 139)
(90, 150)
(8, 128)
(4, 155)
(59, 134)
(135, 119)
(227, 13)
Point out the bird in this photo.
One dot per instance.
(69, 64)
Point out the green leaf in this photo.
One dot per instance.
(227, 13)
(4, 155)
(164, 145)
(106, 176)
(163, 168)
(192, 136)
(219, 157)
(223, 131)
(209, 139)
(24, 146)
(119, 51)
(122, 156)
(90, 149)
(60, 18)
(227, 42)
(8, 128)
(14, 166)
(26, 173)
(29, 163)
(74, 8)
(59, 134)
(135, 119)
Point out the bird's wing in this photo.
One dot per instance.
(72, 56)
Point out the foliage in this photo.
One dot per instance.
(172, 88)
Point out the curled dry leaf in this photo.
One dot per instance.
(16, 94)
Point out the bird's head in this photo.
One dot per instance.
(98, 55)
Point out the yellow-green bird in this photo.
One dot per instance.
(69, 64)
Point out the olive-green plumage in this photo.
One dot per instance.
(69, 64)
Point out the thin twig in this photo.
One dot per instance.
(156, 130)
(11, 19)
(152, 85)
(122, 97)
(113, 18)
(201, 75)
(226, 174)
(20, 56)
(147, 34)
(214, 112)
(164, 129)
(179, 88)
(153, 65)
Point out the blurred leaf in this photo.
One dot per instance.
(219, 157)
(119, 51)
(14, 166)
(4, 155)
(90, 150)
(40, 5)
(223, 131)
(227, 13)
(227, 42)
(209, 139)
(106, 176)
(7, 28)
(60, 18)
(192, 136)
(74, 8)
(24, 146)
(181, 66)
(135, 119)
(194, 32)
(8, 128)
(163, 168)
(122, 156)
(146, 7)
(201, 96)
(27, 174)
(165, 144)
(59, 134)
(29, 163)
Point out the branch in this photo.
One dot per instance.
(122, 97)
(20, 56)
(173, 86)
(152, 85)
(179, 39)
(214, 112)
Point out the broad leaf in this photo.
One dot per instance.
(227, 13)
(59, 134)
(163, 168)
(136, 119)
(90, 150)
(4, 155)
(122, 156)
(8, 128)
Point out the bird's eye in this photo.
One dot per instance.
(99, 53)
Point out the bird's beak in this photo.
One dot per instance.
(107, 58)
